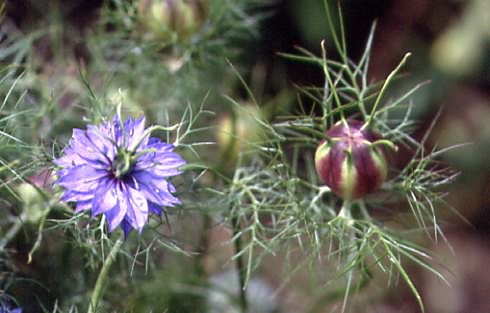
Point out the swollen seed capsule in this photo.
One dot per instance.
(239, 131)
(168, 19)
(350, 162)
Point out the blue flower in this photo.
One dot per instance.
(6, 309)
(120, 171)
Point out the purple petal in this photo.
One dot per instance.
(126, 227)
(83, 206)
(7, 309)
(105, 197)
(80, 178)
(101, 138)
(122, 208)
(115, 216)
(69, 159)
(161, 165)
(86, 149)
(156, 190)
(74, 196)
(159, 145)
(137, 208)
(156, 171)
(168, 160)
(115, 130)
(155, 208)
(137, 138)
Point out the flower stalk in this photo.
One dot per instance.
(12, 232)
(98, 292)
(383, 90)
(240, 265)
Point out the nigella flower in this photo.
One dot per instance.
(118, 170)
(7, 309)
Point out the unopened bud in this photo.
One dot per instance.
(168, 19)
(352, 160)
(236, 131)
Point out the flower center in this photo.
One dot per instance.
(123, 163)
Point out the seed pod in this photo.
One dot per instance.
(32, 196)
(172, 19)
(352, 160)
(239, 131)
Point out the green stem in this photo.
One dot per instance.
(385, 142)
(37, 244)
(148, 132)
(345, 211)
(351, 242)
(240, 265)
(330, 83)
(97, 293)
(12, 232)
(383, 89)
(330, 296)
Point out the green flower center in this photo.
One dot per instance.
(123, 163)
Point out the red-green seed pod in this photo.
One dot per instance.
(351, 161)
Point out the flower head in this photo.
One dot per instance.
(7, 309)
(352, 160)
(118, 170)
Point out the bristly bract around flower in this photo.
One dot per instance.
(118, 170)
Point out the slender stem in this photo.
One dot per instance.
(148, 132)
(330, 82)
(333, 32)
(39, 237)
(12, 231)
(97, 293)
(351, 244)
(345, 211)
(347, 242)
(329, 296)
(240, 265)
(203, 248)
(383, 89)
(385, 142)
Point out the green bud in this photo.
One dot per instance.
(238, 131)
(33, 202)
(171, 20)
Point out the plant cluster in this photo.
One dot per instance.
(131, 136)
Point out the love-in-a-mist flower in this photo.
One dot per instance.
(7, 309)
(118, 170)
(352, 159)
